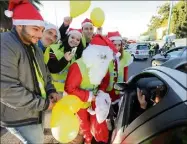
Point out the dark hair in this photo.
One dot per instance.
(67, 47)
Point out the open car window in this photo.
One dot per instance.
(154, 91)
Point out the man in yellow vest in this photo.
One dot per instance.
(26, 88)
(50, 36)
(85, 77)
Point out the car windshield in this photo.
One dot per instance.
(174, 53)
(142, 47)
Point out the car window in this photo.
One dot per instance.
(182, 68)
(142, 47)
(152, 92)
(174, 54)
(176, 135)
(184, 54)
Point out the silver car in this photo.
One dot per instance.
(138, 51)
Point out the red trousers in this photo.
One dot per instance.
(89, 126)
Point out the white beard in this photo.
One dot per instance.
(97, 67)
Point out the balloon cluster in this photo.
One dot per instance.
(64, 121)
(97, 15)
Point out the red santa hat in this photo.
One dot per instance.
(77, 32)
(52, 26)
(87, 22)
(104, 42)
(24, 13)
(113, 36)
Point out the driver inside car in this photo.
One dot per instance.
(149, 92)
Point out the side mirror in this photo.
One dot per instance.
(120, 86)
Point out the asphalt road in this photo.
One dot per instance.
(137, 66)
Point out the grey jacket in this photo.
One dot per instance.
(21, 103)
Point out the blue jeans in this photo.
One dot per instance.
(31, 134)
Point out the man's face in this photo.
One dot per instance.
(88, 31)
(74, 40)
(49, 37)
(30, 34)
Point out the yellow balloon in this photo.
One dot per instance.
(66, 128)
(70, 103)
(97, 17)
(78, 7)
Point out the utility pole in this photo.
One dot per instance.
(169, 19)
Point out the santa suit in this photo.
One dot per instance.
(73, 86)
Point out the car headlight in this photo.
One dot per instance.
(155, 63)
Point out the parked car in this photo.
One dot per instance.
(178, 52)
(138, 50)
(165, 121)
(179, 63)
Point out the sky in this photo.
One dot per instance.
(130, 18)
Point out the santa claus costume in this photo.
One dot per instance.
(88, 79)
(118, 69)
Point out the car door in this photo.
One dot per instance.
(169, 119)
(176, 93)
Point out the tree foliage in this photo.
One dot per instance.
(5, 22)
(178, 23)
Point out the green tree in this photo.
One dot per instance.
(178, 20)
(5, 22)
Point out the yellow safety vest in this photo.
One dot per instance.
(84, 41)
(85, 84)
(39, 76)
(58, 78)
(125, 61)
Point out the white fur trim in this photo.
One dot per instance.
(115, 38)
(76, 32)
(8, 13)
(86, 24)
(28, 22)
(91, 111)
(90, 96)
(118, 54)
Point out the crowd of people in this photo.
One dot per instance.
(41, 63)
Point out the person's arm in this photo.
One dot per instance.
(63, 30)
(64, 27)
(13, 93)
(73, 82)
(56, 66)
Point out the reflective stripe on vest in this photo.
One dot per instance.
(84, 41)
(39, 77)
(85, 84)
